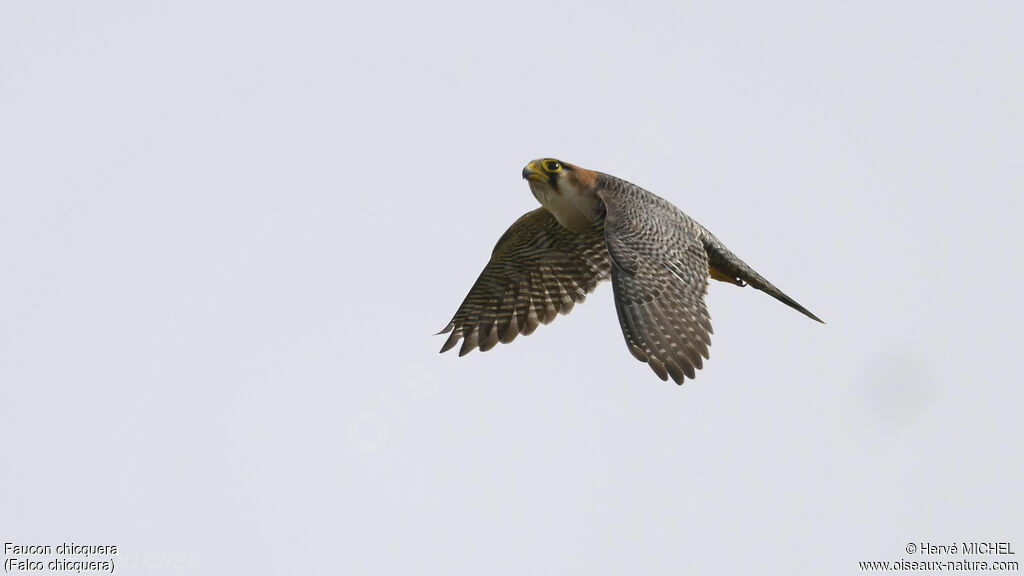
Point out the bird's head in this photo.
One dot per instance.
(567, 191)
(557, 176)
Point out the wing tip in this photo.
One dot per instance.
(807, 313)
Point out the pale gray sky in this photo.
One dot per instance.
(229, 229)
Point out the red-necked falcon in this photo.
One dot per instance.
(592, 226)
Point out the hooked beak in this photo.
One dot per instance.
(532, 172)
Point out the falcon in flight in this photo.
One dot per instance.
(592, 226)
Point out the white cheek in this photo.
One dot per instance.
(568, 208)
(542, 192)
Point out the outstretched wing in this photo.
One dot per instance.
(727, 267)
(537, 270)
(660, 277)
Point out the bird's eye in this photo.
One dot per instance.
(552, 165)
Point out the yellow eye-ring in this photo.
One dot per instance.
(552, 165)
